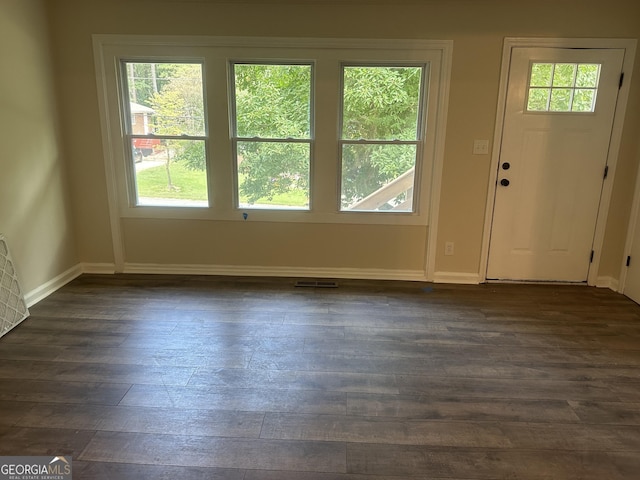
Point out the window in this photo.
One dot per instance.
(272, 134)
(166, 133)
(563, 87)
(380, 136)
(272, 129)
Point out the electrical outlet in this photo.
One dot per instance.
(448, 248)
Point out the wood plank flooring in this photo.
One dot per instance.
(181, 377)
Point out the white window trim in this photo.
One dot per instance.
(109, 49)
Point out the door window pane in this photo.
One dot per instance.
(588, 75)
(564, 75)
(560, 100)
(538, 100)
(563, 87)
(541, 74)
(583, 100)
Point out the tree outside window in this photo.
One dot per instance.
(170, 151)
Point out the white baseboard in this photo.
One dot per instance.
(256, 271)
(43, 291)
(457, 277)
(46, 289)
(608, 282)
(99, 268)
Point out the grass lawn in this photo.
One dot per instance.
(192, 185)
(187, 184)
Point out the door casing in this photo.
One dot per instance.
(629, 45)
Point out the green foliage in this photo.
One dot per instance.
(583, 100)
(365, 168)
(191, 153)
(179, 106)
(141, 80)
(588, 75)
(273, 168)
(380, 103)
(564, 74)
(174, 92)
(538, 99)
(541, 74)
(560, 100)
(273, 102)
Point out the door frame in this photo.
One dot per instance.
(633, 230)
(629, 47)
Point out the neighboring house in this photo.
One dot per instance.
(141, 125)
(140, 116)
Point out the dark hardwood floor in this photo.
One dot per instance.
(162, 377)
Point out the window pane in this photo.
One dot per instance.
(560, 100)
(538, 99)
(273, 101)
(273, 174)
(588, 75)
(541, 74)
(166, 98)
(564, 75)
(378, 177)
(381, 103)
(578, 87)
(583, 100)
(170, 172)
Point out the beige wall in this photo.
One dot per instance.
(477, 27)
(299, 245)
(34, 208)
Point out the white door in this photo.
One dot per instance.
(557, 128)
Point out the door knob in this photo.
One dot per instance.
(504, 182)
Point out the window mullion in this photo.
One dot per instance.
(273, 140)
(169, 137)
(379, 142)
(325, 176)
(220, 145)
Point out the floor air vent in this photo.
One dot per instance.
(316, 284)
(13, 308)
